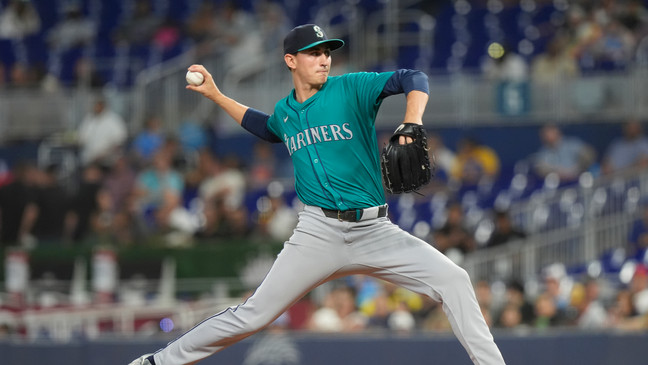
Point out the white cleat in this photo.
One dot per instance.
(142, 360)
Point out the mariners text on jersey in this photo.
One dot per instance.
(324, 133)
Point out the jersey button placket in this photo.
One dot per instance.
(317, 165)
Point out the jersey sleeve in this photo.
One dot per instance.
(404, 81)
(256, 122)
(271, 125)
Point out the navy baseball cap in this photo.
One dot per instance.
(306, 36)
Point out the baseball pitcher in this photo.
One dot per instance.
(328, 127)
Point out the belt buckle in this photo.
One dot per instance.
(339, 216)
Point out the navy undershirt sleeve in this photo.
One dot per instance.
(404, 81)
(255, 122)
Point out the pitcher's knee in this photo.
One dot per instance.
(458, 275)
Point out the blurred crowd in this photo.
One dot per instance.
(589, 36)
(171, 188)
(555, 301)
(577, 37)
(85, 45)
(152, 185)
(124, 189)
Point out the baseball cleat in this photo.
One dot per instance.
(142, 360)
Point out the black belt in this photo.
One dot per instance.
(356, 215)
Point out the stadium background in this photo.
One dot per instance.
(101, 300)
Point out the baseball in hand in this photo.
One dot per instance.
(195, 78)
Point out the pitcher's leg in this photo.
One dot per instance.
(296, 271)
(413, 264)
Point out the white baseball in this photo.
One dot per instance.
(195, 78)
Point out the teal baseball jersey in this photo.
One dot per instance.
(331, 139)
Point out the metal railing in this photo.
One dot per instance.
(573, 226)
(67, 323)
(457, 100)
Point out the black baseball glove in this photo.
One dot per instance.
(406, 167)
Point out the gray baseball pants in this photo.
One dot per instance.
(323, 249)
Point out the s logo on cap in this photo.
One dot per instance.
(318, 31)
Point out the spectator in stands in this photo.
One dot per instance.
(551, 307)
(444, 157)
(52, 203)
(138, 29)
(453, 237)
(614, 49)
(20, 76)
(18, 20)
(237, 224)
(236, 33)
(226, 182)
(278, 218)
(338, 313)
(485, 299)
(634, 16)
(84, 202)
(172, 146)
(192, 137)
(516, 298)
(86, 74)
(475, 163)
(201, 169)
(325, 318)
(510, 317)
(102, 134)
(639, 291)
(555, 65)
(507, 67)
(273, 24)
(582, 30)
(168, 35)
(148, 141)
(387, 306)
(15, 199)
(6, 175)
(436, 320)
(546, 312)
(3, 76)
(623, 315)
(222, 192)
(398, 296)
(568, 157)
(638, 235)
(72, 32)
(222, 223)
(629, 151)
(114, 217)
(381, 310)
(220, 188)
(504, 230)
(555, 284)
(158, 192)
(585, 301)
(401, 320)
(67, 40)
(262, 167)
(200, 23)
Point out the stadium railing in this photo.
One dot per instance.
(582, 227)
(456, 100)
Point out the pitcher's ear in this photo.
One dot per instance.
(290, 60)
